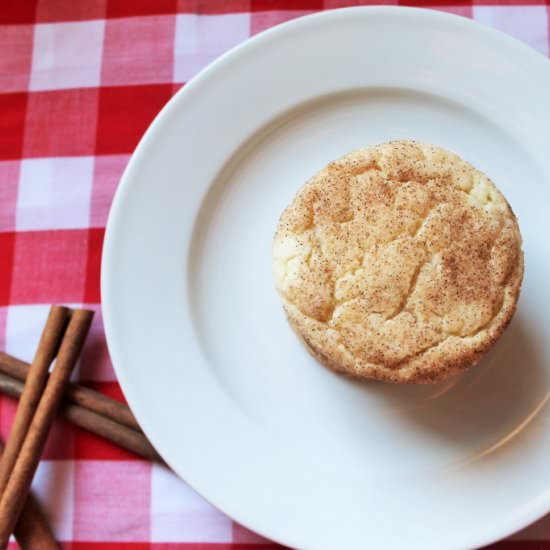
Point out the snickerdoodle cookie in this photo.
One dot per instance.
(399, 262)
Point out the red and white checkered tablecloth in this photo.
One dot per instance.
(80, 81)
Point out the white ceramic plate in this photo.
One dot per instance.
(214, 374)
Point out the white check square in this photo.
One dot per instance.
(527, 23)
(54, 193)
(53, 485)
(67, 55)
(179, 514)
(24, 323)
(201, 38)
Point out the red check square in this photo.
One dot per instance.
(61, 123)
(50, 11)
(77, 545)
(9, 179)
(15, 12)
(265, 5)
(13, 108)
(95, 363)
(49, 266)
(138, 50)
(263, 20)
(92, 293)
(7, 413)
(213, 7)
(112, 500)
(107, 173)
(335, 4)
(464, 11)
(125, 112)
(7, 247)
(15, 60)
(245, 536)
(123, 8)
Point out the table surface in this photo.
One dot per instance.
(80, 82)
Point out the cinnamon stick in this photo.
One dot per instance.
(77, 394)
(97, 424)
(20, 479)
(32, 530)
(110, 430)
(38, 372)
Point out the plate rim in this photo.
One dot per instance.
(108, 263)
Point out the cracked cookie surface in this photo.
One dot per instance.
(399, 262)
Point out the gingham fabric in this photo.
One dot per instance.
(80, 81)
